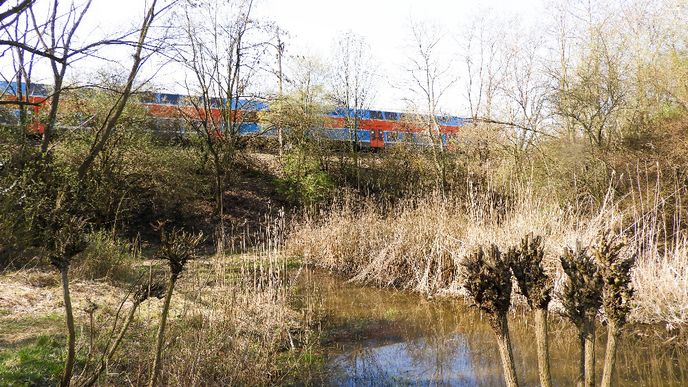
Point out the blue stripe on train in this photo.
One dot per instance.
(37, 89)
(249, 128)
(342, 134)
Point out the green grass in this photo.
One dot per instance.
(31, 326)
(38, 362)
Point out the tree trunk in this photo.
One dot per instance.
(581, 359)
(54, 104)
(505, 352)
(219, 200)
(357, 163)
(542, 347)
(161, 332)
(71, 332)
(613, 333)
(280, 141)
(590, 354)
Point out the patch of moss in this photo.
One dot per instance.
(312, 359)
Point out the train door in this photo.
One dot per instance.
(377, 139)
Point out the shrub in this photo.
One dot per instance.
(303, 180)
(105, 257)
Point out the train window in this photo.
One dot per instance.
(447, 121)
(392, 116)
(183, 101)
(375, 115)
(244, 104)
(38, 90)
(170, 99)
(372, 135)
(392, 136)
(215, 102)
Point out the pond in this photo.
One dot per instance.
(381, 337)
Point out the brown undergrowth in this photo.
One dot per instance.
(231, 322)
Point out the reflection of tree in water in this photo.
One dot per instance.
(442, 350)
(388, 337)
(359, 366)
(433, 344)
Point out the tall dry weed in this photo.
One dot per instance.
(418, 243)
(234, 322)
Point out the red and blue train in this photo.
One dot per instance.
(376, 129)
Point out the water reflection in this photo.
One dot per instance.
(379, 337)
(400, 363)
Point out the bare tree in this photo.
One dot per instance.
(524, 96)
(144, 49)
(595, 96)
(353, 75)
(591, 90)
(222, 61)
(429, 79)
(23, 64)
(483, 49)
(277, 42)
(9, 16)
(56, 37)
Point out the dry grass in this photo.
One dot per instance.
(35, 292)
(230, 324)
(418, 244)
(232, 320)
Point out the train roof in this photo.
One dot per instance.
(366, 114)
(35, 89)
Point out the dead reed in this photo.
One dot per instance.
(418, 243)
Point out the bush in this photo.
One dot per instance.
(303, 180)
(104, 258)
(136, 180)
(32, 197)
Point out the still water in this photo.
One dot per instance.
(378, 337)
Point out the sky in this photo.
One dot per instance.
(314, 25)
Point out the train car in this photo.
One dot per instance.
(379, 129)
(36, 96)
(172, 113)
